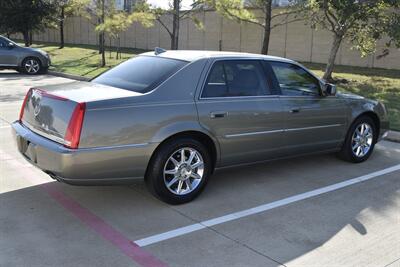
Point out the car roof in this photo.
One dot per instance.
(193, 55)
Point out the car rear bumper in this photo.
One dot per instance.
(102, 165)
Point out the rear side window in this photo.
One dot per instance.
(140, 74)
(294, 80)
(233, 78)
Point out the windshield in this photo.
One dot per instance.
(140, 74)
(7, 40)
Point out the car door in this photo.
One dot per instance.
(238, 105)
(313, 122)
(7, 57)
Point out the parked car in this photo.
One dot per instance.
(173, 117)
(23, 59)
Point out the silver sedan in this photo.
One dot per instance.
(173, 117)
(23, 59)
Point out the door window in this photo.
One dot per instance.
(3, 43)
(294, 80)
(234, 78)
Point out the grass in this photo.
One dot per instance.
(380, 84)
(83, 60)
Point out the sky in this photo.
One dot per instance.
(165, 3)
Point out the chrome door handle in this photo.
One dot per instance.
(218, 114)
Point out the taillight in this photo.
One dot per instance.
(21, 113)
(73, 134)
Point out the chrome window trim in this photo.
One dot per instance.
(282, 130)
(239, 97)
(230, 97)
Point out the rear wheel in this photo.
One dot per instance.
(360, 140)
(31, 66)
(179, 171)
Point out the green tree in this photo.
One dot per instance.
(245, 12)
(119, 22)
(361, 22)
(26, 16)
(177, 15)
(98, 11)
(68, 8)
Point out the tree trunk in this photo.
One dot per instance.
(175, 26)
(30, 38)
(62, 17)
(100, 42)
(26, 38)
(110, 49)
(119, 48)
(267, 27)
(103, 50)
(337, 39)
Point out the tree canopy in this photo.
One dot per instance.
(23, 16)
(361, 22)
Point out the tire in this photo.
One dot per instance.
(173, 180)
(361, 154)
(31, 66)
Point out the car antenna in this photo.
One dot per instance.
(159, 50)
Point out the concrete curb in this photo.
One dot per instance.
(69, 76)
(393, 136)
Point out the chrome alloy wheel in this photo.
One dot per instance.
(32, 66)
(362, 139)
(183, 171)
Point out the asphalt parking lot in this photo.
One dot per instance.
(309, 211)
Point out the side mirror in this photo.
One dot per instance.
(11, 45)
(329, 89)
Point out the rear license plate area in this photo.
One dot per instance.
(27, 149)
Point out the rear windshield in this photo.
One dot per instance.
(140, 74)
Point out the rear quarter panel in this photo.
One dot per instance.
(150, 118)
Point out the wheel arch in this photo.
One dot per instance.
(371, 115)
(209, 142)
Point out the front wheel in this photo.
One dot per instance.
(179, 171)
(31, 66)
(360, 140)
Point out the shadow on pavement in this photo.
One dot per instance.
(37, 231)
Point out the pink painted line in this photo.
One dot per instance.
(128, 247)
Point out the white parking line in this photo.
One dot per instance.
(244, 213)
(5, 126)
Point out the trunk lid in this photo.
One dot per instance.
(57, 111)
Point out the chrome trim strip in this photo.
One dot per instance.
(253, 133)
(40, 132)
(313, 127)
(216, 84)
(281, 130)
(112, 147)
